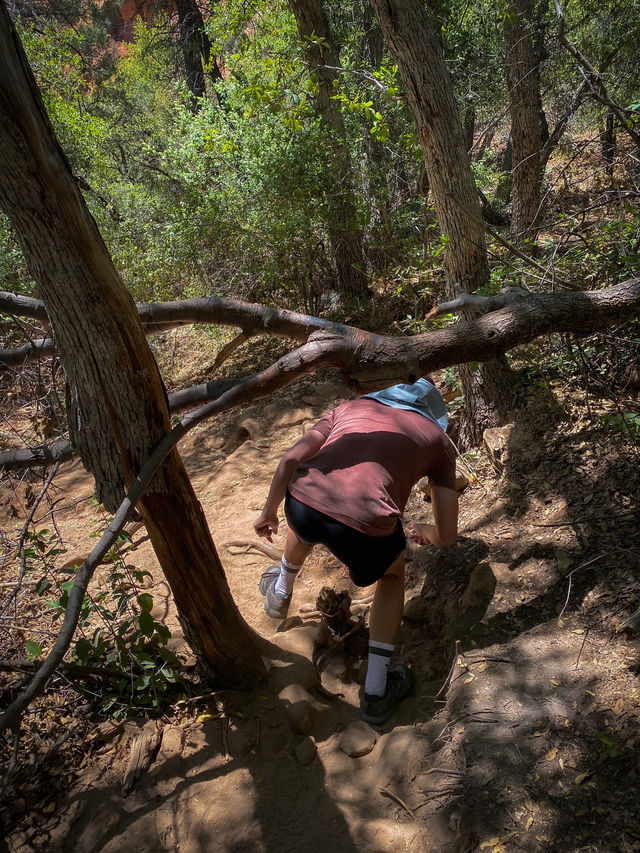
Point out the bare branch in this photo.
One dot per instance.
(23, 535)
(594, 79)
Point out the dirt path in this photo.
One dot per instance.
(522, 733)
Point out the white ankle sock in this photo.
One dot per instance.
(377, 666)
(286, 578)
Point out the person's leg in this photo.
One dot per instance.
(295, 553)
(388, 604)
(384, 626)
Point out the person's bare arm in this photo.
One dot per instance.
(444, 532)
(266, 524)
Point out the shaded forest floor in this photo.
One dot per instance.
(523, 729)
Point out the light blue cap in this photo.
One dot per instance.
(421, 397)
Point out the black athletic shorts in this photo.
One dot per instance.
(366, 557)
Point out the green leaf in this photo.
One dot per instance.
(43, 585)
(147, 623)
(146, 602)
(34, 650)
(83, 650)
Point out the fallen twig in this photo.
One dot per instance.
(570, 576)
(396, 799)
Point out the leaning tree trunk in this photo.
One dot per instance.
(117, 404)
(196, 50)
(344, 232)
(415, 46)
(523, 79)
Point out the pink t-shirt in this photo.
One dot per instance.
(373, 456)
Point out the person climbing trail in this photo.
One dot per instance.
(345, 485)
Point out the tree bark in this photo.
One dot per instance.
(522, 75)
(429, 89)
(344, 233)
(117, 405)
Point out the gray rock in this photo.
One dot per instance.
(357, 739)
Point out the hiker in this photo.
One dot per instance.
(345, 485)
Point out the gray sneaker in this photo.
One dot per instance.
(376, 710)
(275, 605)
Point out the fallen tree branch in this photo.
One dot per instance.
(481, 304)
(369, 361)
(251, 318)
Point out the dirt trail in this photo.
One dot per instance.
(522, 733)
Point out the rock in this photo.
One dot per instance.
(415, 610)
(301, 640)
(357, 739)
(482, 585)
(299, 707)
(496, 442)
(289, 623)
(313, 401)
(306, 751)
(462, 481)
(292, 417)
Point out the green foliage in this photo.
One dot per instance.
(119, 638)
(627, 423)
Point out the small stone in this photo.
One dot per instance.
(298, 705)
(496, 442)
(306, 751)
(357, 739)
(415, 610)
(313, 401)
(462, 481)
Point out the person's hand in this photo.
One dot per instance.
(421, 533)
(266, 525)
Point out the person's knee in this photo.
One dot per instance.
(396, 569)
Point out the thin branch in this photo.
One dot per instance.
(570, 576)
(594, 79)
(570, 285)
(23, 536)
(13, 761)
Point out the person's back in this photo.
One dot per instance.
(372, 457)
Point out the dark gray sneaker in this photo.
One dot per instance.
(275, 605)
(376, 710)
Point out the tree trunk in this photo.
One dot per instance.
(344, 232)
(117, 404)
(608, 142)
(196, 50)
(429, 89)
(522, 76)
